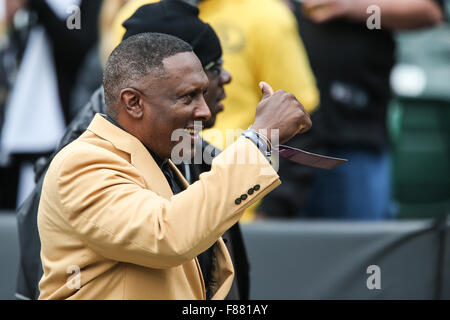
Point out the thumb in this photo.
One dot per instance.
(266, 89)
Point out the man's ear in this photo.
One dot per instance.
(131, 99)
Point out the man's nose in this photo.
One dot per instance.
(225, 77)
(202, 111)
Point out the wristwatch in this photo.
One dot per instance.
(253, 136)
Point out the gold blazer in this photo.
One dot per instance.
(111, 228)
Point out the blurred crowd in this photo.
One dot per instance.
(336, 56)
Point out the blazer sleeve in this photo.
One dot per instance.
(106, 204)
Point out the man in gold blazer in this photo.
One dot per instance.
(109, 222)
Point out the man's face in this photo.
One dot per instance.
(218, 77)
(172, 102)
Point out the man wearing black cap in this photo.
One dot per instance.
(179, 19)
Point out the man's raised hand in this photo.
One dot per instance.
(282, 111)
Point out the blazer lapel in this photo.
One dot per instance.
(141, 159)
(179, 175)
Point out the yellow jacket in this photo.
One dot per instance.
(107, 211)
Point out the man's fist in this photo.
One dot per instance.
(282, 111)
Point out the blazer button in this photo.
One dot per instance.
(237, 201)
(250, 191)
(256, 187)
(243, 197)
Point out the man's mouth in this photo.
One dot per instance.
(194, 132)
(191, 131)
(219, 103)
(219, 106)
(222, 96)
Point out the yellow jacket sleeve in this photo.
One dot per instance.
(102, 199)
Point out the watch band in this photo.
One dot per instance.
(264, 147)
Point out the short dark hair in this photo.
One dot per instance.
(133, 59)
